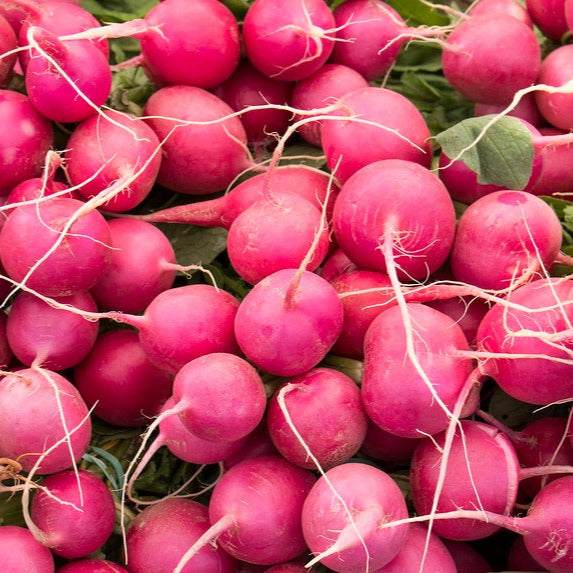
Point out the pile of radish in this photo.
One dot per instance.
(286, 286)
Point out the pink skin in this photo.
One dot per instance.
(135, 275)
(248, 87)
(91, 566)
(21, 552)
(120, 381)
(257, 506)
(509, 7)
(386, 190)
(31, 136)
(257, 443)
(372, 497)
(36, 424)
(549, 17)
(536, 380)
(360, 309)
(74, 532)
(485, 448)
(325, 408)
(371, 30)
(160, 535)
(219, 397)
(75, 264)
(190, 43)
(185, 167)
(8, 42)
(381, 445)
(350, 145)
(288, 45)
(309, 183)
(49, 337)
(518, 234)
(421, 548)
(488, 58)
(437, 344)
(276, 233)
(100, 153)
(467, 558)
(556, 70)
(288, 322)
(321, 89)
(526, 109)
(336, 264)
(55, 96)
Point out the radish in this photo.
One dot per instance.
(8, 42)
(549, 17)
(21, 551)
(319, 411)
(467, 558)
(119, 382)
(31, 399)
(31, 136)
(525, 109)
(73, 513)
(510, 7)
(186, 119)
(6, 353)
(519, 558)
(341, 515)
(288, 322)
(117, 148)
(91, 566)
(384, 446)
(69, 251)
(489, 57)
(184, 521)
(375, 124)
(288, 45)
(420, 239)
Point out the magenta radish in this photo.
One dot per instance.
(489, 57)
(321, 89)
(469, 481)
(91, 566)
(509, 7)
(336, 264)
(467, 558)
(525, 109)
(248, 87)
(420, 239)
(115, 150)
(526, 342)
(171, 113)
(183, 521)
(277, 232)
(141, 266)
(45, 422)
(53, 338)
(375, 124)
(257, 443)
(426, 353)
(341, 514)
(381, 445)
(65, 83)
(6, 353)
(8, 42)
(21, 552)
(288, 322)
(118, 380)
(64, 246)
(324, 408)
(503, 237)
(80, 528)
(549, 16)
(31, 136)
(519, 558)
(288, 45)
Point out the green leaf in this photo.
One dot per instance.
(420, 12)
(118, 10)
(238, 7)
(502, 156)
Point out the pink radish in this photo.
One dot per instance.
(8, 42)
(91, 566)
(509, 7)
(549, 17)
(21, 551)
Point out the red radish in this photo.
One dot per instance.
(291, 44)
(175, 114)
(53, 338)
(381, 445)
(288, 322)
(6, 353)
(257, 443)
(118, 380)
(184, 521)
(324, 408)
(84, 524)
(489, 57)
(8, 42)
(428, 360)
(467, 558)
(45, 422)
(503, 237)
(330, 82)
(91, 566)
(420, 238)
(509, 7)
(118, 148)
(525, 109)
(341, 514)
(376, 123)
(336, 264)
(21, 552)
(31, 136)
(134, 275)
(63, 246)
(519, 558)
(549, 17)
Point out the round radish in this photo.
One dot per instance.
(21, 552)
(91, 566)
(8, 42)
(549, 16)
